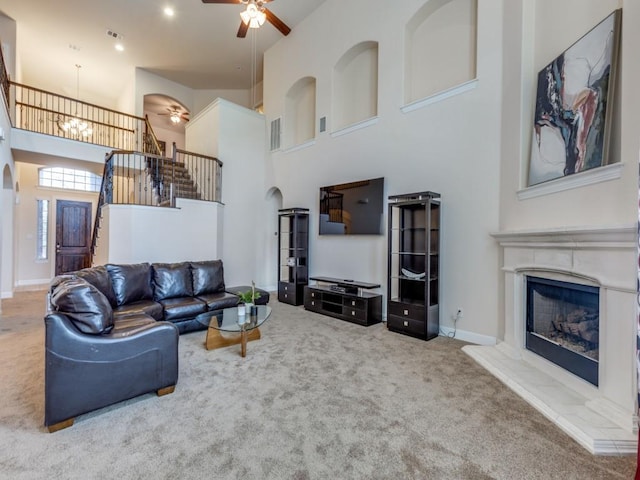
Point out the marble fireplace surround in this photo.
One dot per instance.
(602, 419)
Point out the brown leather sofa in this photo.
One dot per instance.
(112, 331)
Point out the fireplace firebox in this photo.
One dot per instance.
(563, 325)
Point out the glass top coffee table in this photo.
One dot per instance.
(243, 328)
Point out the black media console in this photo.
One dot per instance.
(344, 299)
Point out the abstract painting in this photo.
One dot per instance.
(573, 105)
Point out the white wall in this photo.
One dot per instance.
(203, 98)
(236, 136)
(169, 136)
(450, 147)
(134, 234)
(127, 100)
(537, 32)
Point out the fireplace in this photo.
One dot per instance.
(562, 325)
(576, 278)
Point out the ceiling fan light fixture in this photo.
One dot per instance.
(252, 16)
(260, 18)
(175, 117)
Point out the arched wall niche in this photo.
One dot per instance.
(300, 113)
(355, 84)
(440, 47)
(7, 178)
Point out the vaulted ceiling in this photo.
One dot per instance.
(196, 47)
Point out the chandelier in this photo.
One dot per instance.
(254, 15)
(76, 126)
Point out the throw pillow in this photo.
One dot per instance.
(87, 308)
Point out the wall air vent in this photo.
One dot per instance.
(275, 134)
(112, 34)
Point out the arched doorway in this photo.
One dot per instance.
(273, 203)
(167, 117)
(6, 234)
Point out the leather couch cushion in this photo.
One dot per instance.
(99, 278)
(219, 300)
(86, 307)
(131, 282)
(131, 323)
(208, 277)
(141, 307)
(183, 307)
(171, 280)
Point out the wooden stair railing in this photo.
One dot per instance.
(40, 111)
(101, 201)
(205, 172)
(143, 178)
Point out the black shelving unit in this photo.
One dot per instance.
(414, 260)
(293, 254)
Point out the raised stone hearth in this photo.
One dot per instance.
(601, 418)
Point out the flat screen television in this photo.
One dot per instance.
(354, 208)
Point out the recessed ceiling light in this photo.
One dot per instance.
(119, 47)
(168, 11)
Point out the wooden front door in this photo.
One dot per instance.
(73, 236)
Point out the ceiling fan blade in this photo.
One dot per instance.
(276, 22)
(231, 1)
(242, 29)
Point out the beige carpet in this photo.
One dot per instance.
(315, 398)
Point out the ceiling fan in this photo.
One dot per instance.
(255, 15)
(175, 115)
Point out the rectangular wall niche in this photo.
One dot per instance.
(563, 325)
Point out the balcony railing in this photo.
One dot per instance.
(137, 178)
(205, 171)
(52, 114)
(4, 81)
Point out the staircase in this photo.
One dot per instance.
(147, 179)
(171, 180)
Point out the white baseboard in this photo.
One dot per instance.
(27, 286)
(30, 285)
(470, 337)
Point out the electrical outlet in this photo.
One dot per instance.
(460, 313)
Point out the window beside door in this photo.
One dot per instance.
(42, 241)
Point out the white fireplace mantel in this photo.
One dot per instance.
(622, 236)
(604, 418)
